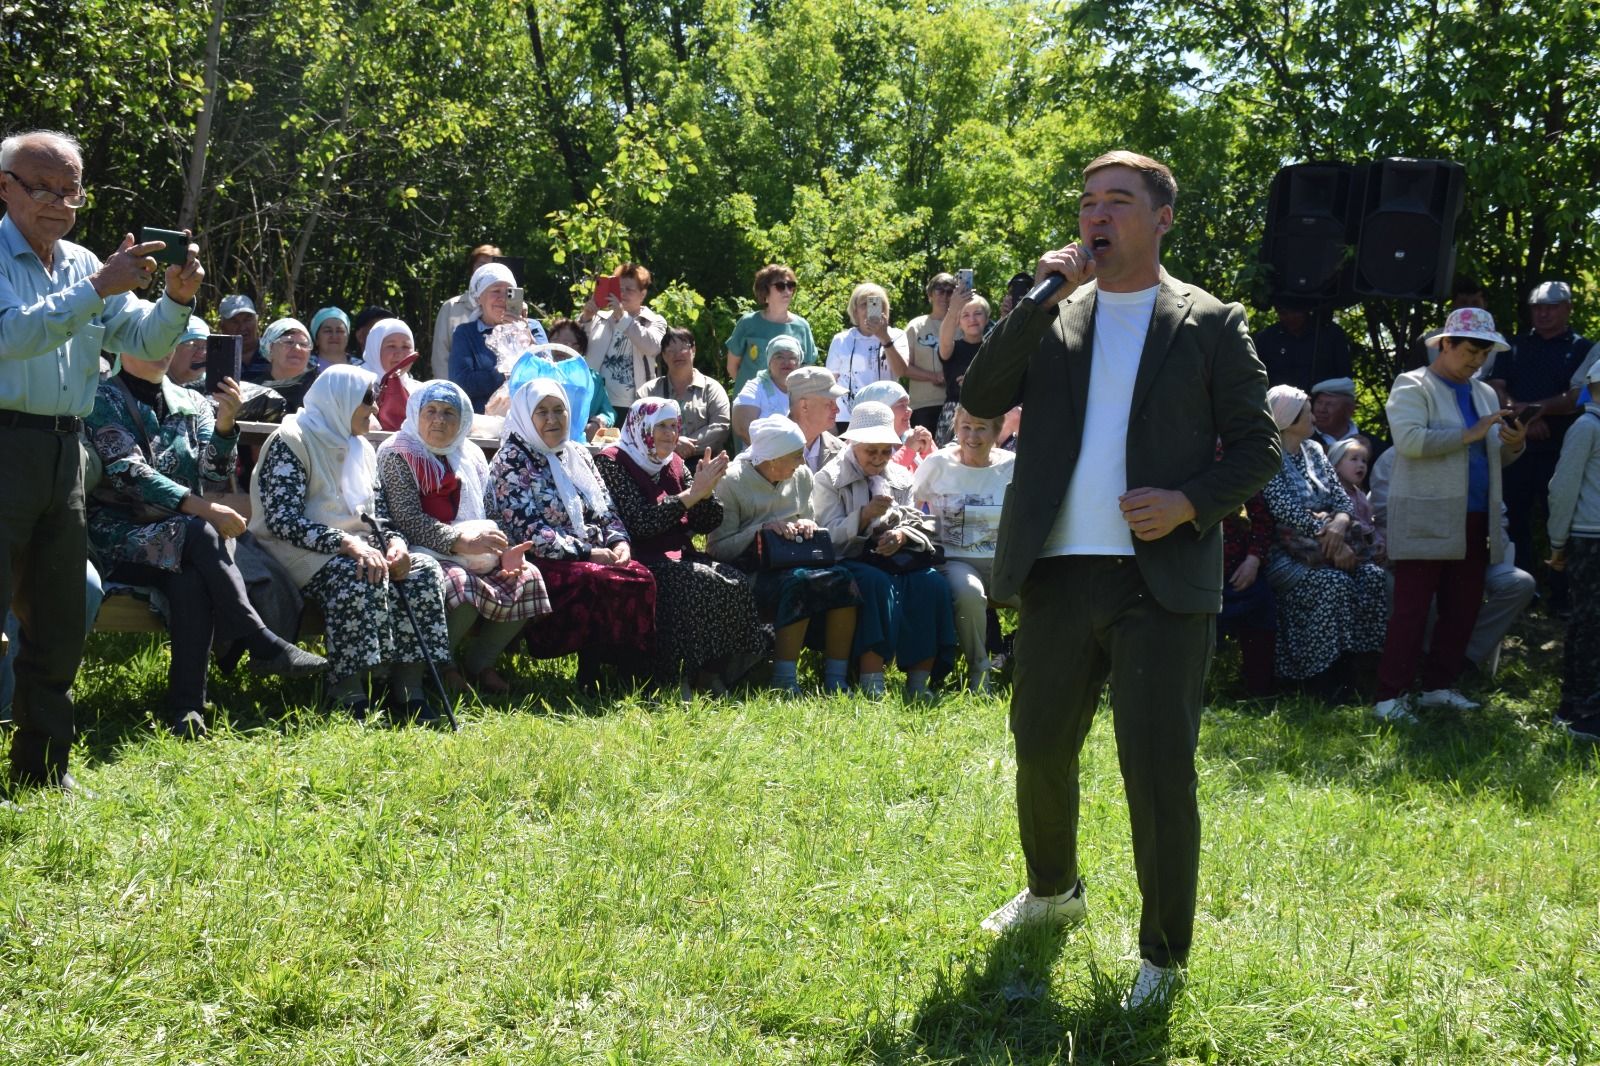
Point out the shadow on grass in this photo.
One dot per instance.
(121, 689)
(1004, 1009)
(1508, 748)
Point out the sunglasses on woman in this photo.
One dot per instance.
(786, 286)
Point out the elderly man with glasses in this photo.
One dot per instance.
(59, 307)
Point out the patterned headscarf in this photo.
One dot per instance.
(638, 432)
(575, 478)
(465, 459)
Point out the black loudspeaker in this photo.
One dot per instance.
(1407, 249)
(1312, 216)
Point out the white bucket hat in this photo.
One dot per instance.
(871, 423)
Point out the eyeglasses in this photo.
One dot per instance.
(43, 195)
(304, 346)
(786, 286)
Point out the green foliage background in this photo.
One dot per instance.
(359, 148)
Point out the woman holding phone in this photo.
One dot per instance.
(624, 336)
(870, 350)
(474, 364)
(1450, 438)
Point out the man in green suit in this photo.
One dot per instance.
(1127, 379)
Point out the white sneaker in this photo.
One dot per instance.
(1153, 987)
(1397, 710)
(1025, 908)
(1448, 697)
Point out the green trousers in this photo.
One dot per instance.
(1086, 620)
(43, 547)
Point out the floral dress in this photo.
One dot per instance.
(705, 610)
(133, 514)
(608, 611)
(366, 623)
(1323, 612)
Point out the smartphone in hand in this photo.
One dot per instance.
(176, 252)
(224, 359)
(517, 303)
(604, 288)
(1529, 413)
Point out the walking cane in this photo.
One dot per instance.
(422, 641)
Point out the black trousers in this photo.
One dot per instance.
(1086, 620)
(206, 600)
(43, 549)
(1525, 487)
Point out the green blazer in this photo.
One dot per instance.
(1198, 381)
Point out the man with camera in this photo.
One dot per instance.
(1110, 532)
(59, 307)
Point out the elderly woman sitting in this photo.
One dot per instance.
(767, 491)
(963, 488)
(706, 620)
(706, 415)
(315, 485)
(474, 365)
(389, 354)
(286, 345)
(1330, 603)
(150, 524)
(917, 441)
(865, 503)
(330, 337)
(436, 481)
(768, 392)
(544, 489)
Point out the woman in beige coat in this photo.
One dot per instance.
(1451, 439)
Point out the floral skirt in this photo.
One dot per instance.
(368, 627)
(498, 597)
(704, 611)
(608, 610)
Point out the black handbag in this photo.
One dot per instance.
(905, 561)
(777, 552)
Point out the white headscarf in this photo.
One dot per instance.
(382, 329)
(574, 474)
(773, 437)
(324, 424)
(638, 437)
(274, 333)
(465, 459)
(489, 274)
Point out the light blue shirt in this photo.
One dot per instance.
(53, 327)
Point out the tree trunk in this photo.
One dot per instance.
(619, 30)
(202, 125)
(573, 157)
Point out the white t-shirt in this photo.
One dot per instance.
(764, 396)
(1091, 522)
(858, 360)
(965, 501)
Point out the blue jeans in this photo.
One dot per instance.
(92, 595)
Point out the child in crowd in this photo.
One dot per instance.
(1350, 458)
(1575, 548)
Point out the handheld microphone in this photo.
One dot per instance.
(1045, 289)
(1053, 282)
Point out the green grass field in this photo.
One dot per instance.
(768, 881)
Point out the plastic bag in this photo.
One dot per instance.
(572, 374)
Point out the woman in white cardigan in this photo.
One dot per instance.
(1451, 439)
(624, 337)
